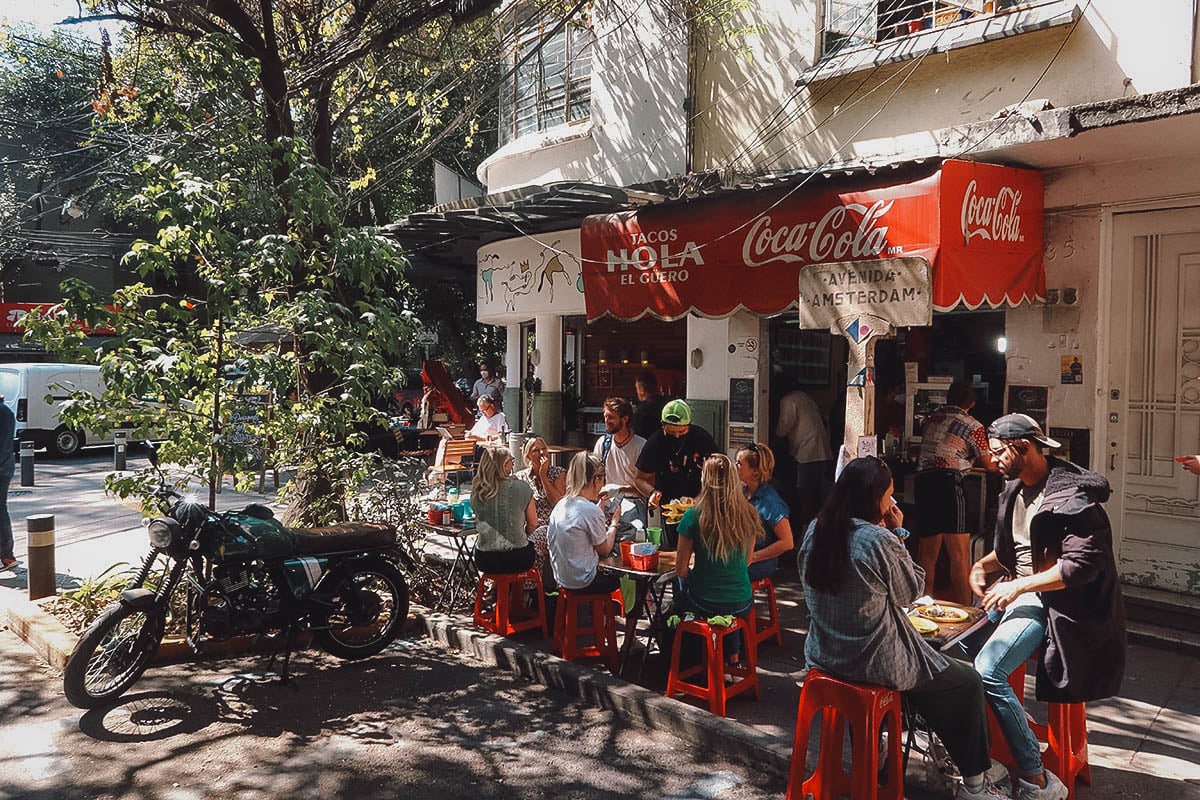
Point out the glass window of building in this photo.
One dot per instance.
(551, 71)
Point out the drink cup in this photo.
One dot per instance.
(654, 535)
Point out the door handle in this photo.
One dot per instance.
(1112, 462)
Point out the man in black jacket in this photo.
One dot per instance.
(1060, 589)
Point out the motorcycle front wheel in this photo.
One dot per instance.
(370, 607)
(112, 654)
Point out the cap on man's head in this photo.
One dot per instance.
(1019, 426)
(677, 412)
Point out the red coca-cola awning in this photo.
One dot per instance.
(978, 225)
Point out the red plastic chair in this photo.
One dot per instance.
(713, 665)
(498, 619)
(569, 630)
(866, 709)
(1065, 736)
(768, 627)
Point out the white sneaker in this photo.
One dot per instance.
(1055, 789)
(998, 774)
(988, 791)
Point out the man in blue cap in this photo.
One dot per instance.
(668, 467)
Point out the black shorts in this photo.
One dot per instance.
(941, 503)
(505, 562)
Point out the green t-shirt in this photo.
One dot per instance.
(718, 581)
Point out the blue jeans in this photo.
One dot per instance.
(1020, 633)
(6, 534)
(686, 600)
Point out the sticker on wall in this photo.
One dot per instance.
(1072, 369)
(868, 446)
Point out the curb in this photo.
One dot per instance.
(723, 737)
(40, 629)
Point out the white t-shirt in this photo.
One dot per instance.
(485, 428)
(576, 527)
(800, 421)
(619, 468)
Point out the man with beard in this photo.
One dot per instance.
(618, 449)
(1053, 542)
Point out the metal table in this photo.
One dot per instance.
(651, 596)
(464, 561)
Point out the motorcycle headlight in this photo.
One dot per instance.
(163, 532)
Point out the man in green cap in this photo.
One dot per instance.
(668, 467)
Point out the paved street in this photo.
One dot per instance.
(415, 721)
(425, 717)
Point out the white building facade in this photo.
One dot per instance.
(1096, 95)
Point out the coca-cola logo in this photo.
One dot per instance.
(992, 217)
(836, 236)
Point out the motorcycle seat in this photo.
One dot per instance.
(343, 536)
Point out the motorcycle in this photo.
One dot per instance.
(245, 574)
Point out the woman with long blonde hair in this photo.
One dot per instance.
(505, 515)
(721, 530)
(579, 536)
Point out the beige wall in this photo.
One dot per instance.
(1117, 49)
(637, 130)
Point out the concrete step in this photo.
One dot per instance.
(1163, 638)
(1161, 609)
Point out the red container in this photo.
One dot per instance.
(435, 516)
(625, 554)
(644, 563)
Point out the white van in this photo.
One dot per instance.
(25, 388)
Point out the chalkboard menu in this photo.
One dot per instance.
(248, 416)
(741, 400)
(1030, 400)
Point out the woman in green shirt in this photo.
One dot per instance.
(721, 530)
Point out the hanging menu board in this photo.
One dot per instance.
(741, 400)
(1030, 400)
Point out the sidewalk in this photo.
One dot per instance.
(1142, 743)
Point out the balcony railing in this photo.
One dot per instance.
(859, 23)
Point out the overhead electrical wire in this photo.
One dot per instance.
(812, 172)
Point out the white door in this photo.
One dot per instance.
(1154, 397)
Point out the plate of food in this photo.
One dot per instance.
(941, 613)
(673, 512)
(925, 627)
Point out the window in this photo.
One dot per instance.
(855, 23)
(551, 85)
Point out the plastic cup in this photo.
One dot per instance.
(654, 535)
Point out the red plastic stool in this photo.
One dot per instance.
(865, 709)
(768, 627)
(1065, 736)
(717, 692)
(499, 618)
(568, 630)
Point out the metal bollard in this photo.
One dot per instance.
(26, 462)
(40, 563)
(120, 446)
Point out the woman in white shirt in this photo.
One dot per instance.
(579, 534)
